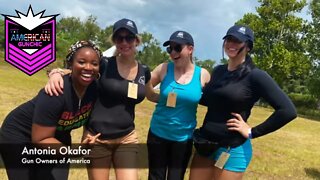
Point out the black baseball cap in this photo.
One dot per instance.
(241, 32)
(126, 24)
(180, 37)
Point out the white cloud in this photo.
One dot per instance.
(206, 20)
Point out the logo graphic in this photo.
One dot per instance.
(129, 23)
(180, 35)
(242, 30)
(30, 40)
(142, 80)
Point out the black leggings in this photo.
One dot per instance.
(167, 159)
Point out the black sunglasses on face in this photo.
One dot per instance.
(233, 39)
(177, 48)
(129, 38)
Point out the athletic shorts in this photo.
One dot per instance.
(239, 159)
(123, 152)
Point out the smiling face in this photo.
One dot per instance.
(125, 42)
(232, 46)
(180, 53)
(84, 66)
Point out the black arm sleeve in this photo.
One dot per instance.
(204, 100)
(283, 106)
(147, 73)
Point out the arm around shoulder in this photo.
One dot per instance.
(156, 77)
(60, 71)
(54, 85)
(158, 74)
(151, 94)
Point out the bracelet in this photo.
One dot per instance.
(249, 134)
(57, 70)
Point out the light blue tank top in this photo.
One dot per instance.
(178, 123)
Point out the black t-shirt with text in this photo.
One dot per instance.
(65, 112)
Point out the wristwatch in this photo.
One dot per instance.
(249, 134)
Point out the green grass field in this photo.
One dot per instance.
(290, 153)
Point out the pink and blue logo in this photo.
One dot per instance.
(30, 41)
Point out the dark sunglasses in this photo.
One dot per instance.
(177, 48)
(233, 39)
(129, 38)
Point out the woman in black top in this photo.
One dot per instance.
(124, 83)
(49, 120)
(230, 95)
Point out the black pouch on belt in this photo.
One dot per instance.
(203, 146)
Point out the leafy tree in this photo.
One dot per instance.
(297, 86)
(151, 53)
(68, 32)
(207, 64)
(90, 29)
(72, 29)
(314, 48)
(103, 38)
(314, 33)
(314, 83)
(280, 46)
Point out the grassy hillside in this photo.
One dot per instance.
(290, 153)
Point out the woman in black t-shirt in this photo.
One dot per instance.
(49, 120)
(230, 95)
(124, 83)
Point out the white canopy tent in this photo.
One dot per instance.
(109, 52)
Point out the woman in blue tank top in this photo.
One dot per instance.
(174, 119)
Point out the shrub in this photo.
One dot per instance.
(306, 105)
(304, 101)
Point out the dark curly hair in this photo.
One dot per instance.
(78, 45)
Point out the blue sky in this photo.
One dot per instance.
(206, 20)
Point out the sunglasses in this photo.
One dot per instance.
(233, 39)
(128, 38)
(177, 48)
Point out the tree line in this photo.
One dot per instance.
(286, 45)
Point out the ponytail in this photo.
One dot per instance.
(245, 68)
